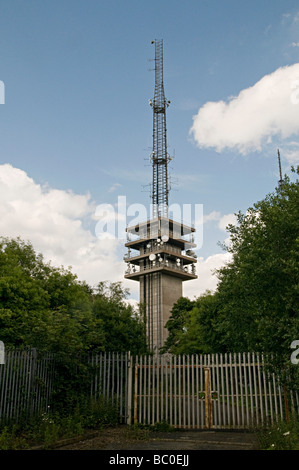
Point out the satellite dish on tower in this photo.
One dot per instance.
(165, 238)
(152, 257)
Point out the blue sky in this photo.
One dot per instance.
(76, 126)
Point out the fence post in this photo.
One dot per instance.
(208, 398)
(129, 405)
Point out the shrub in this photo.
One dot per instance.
(281, 435)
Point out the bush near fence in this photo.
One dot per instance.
(32, 383)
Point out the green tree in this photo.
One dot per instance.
(42, 306)
(123, 327)
(193, 326)
(22, 297)
(256, 305)
(258, 290)
(176, 325)
(47, 308)
(203, 332)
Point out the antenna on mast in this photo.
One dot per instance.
(159, 156)
(280, 182)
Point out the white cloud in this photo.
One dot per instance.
(223, 220)
(226, 220)
(133, 302)
(286, 15)
(290, 153)
(207, 280)
(295, 44)
(292, 156)
(114, 187)
(214, 215)
(246, 122)
(53, 221)
(290, 18)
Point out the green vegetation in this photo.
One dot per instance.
(255, 308)
(162, 426)
(280, 436)
(49, 309)
(49, 428)
(256, 305)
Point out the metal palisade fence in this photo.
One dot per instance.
(28, 380)
(109, 378)
(25, 383)
(211, 391)
(216, 391)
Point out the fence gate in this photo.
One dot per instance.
(205, 391)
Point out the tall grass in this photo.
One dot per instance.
(281, 435)
(46, 429)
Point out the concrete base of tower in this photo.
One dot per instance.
(158, 293)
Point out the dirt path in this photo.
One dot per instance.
(123, 438)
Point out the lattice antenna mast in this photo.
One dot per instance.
(280, 182)
(159, 157)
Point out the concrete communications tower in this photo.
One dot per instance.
(164, 256)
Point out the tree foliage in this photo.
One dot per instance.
(122, 327)
(256, 304)
(258, 289)
(48, 308)
(176, 325)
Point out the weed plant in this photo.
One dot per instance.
(50, 427)
(281, 435)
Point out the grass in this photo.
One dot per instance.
(45, 430)
(48, 428)
(142, 431)
(280, 436)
